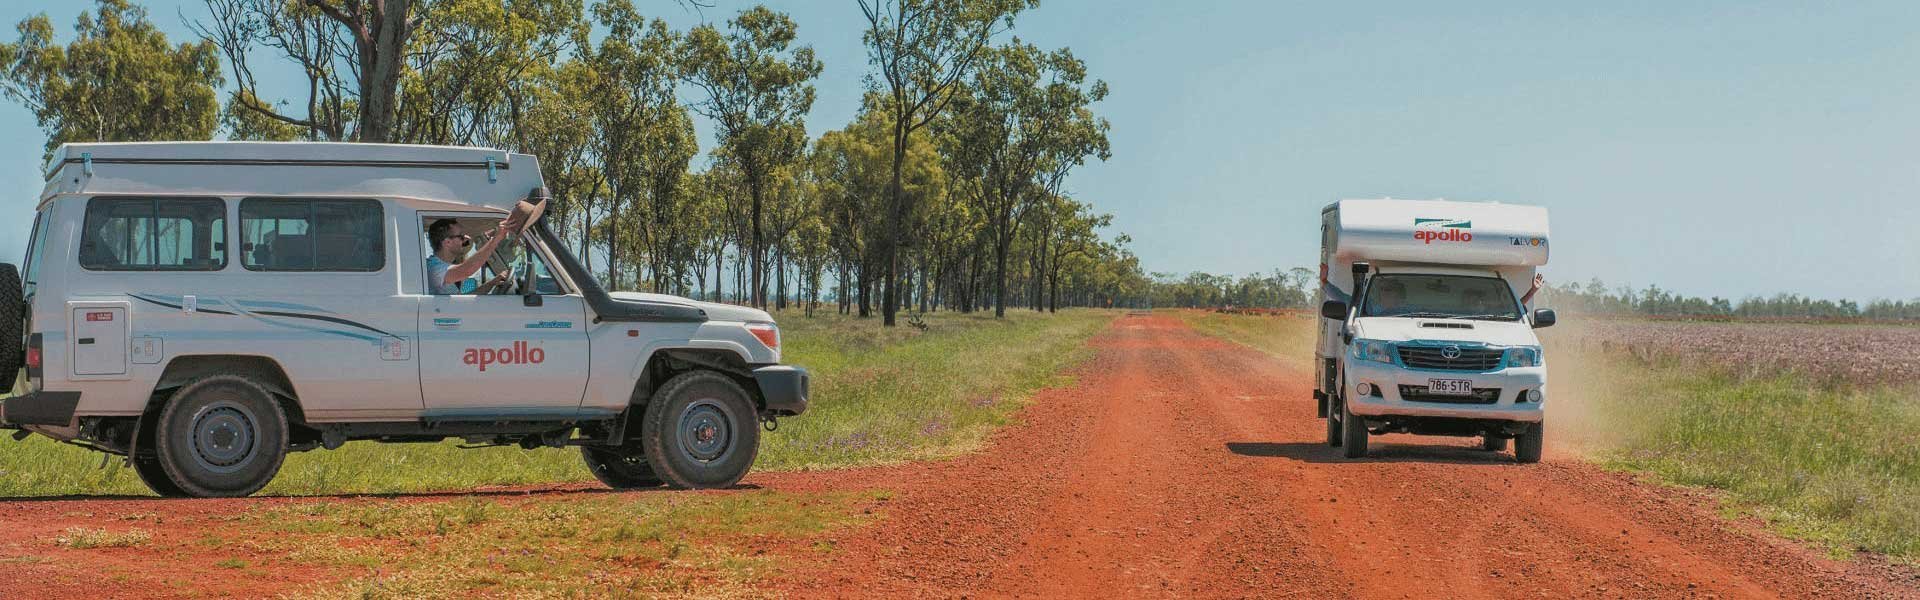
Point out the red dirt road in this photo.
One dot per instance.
(1176, 465)
(1181, 465)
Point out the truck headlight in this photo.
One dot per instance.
(767, 333)
(1524, 356)
(1373, 350)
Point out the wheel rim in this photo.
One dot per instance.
(706, 434)
(224, 437)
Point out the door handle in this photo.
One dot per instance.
(84, 341)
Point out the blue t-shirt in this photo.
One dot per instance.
(437, 278)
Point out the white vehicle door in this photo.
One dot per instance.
(505, 355)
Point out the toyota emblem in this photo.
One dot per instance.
(1450, 352)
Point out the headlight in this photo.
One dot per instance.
(1373, 350)
(768, 334)
(1524, 356)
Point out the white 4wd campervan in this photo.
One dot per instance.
(204, 308)
(1424, 325)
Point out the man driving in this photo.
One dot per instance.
(450, 267)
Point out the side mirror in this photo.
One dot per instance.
(1543, 318)
(1334, 309)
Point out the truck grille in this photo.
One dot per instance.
(1470, 359)
(1418, 393)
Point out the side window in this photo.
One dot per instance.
(154, 234)
(294, 234)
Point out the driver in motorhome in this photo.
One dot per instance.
(449, 267)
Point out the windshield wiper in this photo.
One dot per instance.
(1494, 317)
(1421, 315)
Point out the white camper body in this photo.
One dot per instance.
(296, 274)
(1435, 339)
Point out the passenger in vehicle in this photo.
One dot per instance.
(450, 267)
(1392, 300)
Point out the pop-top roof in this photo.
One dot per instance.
(483, 177)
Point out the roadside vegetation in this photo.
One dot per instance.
(1822, 454)
(881, 395)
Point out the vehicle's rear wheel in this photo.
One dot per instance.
(1527, 446)
(620, 467)
(221, 436)
(1493, 443)
(1353, 433)
(13, 310)
(700, 430)
(151, 473)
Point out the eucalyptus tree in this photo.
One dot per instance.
(921, 51)
(118, 80)
(1022, 126)
(639, 125)
(352, 53)
(758, 91)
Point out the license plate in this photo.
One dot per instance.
(1450, 387)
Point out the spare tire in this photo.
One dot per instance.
(13, 311)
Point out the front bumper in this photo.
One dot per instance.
(783, 389)
(39, 408)
(1512, 383)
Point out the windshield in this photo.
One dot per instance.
(1443, 296)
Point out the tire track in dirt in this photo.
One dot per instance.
(1179, 465)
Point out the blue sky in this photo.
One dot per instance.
(1714, 148)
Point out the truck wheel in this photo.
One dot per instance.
(151, 473)
(1493, 443)
(13, 309)
(222, 436)
(1353, 433)
(1527, 446)
(700, 431)
(620, 467)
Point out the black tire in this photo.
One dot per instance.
(700, 431)
(1493, 443)
(1527, 446)
(151, 473)
(222, 436)
(620, 467)
(13, 311)
(1353, 433)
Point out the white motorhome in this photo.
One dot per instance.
(1424, 323)
(203, 308)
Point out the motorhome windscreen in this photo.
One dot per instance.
(1440, 296)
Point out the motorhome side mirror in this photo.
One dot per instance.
(1334, 309)
(1543, 318)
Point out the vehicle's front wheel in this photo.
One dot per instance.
(221, 437)
(1353, 433)
(700, 430)
(1527, 446)
(620, 467)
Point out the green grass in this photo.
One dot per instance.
(879, 396)
(1817, 459)
(582, 546)
(1835, 464)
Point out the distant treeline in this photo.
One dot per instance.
(1595, 297)
(1294, 288)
